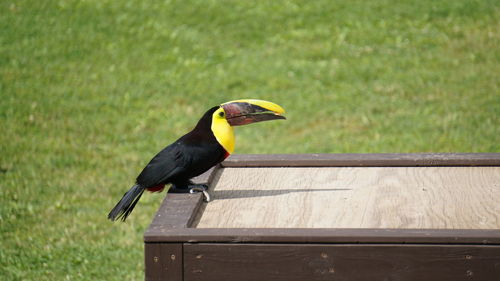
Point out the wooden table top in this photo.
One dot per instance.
(437, 197)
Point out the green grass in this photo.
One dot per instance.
(90, 90)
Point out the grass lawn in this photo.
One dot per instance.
(91, 90)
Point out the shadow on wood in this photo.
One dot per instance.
(251, 193)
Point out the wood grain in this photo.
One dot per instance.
(296, 262)
(326, 236)
(363, 160)
(355, 197)
(178, 210)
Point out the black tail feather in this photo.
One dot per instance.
(126, 204)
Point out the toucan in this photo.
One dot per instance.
(209, 143)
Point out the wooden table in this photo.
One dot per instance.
(334, 217)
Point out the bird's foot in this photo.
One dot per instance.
(192, 188)
(200, 188)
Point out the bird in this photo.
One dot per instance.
(207, 144)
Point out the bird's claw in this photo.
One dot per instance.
(202, 189)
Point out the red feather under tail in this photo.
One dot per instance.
(158, 188)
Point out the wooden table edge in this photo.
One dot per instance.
(180, 210)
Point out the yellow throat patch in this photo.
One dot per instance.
(223, 132)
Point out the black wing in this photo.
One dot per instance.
(168, 163)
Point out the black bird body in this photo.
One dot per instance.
(208, 144)
(189, 156)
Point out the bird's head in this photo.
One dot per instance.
(241, 112)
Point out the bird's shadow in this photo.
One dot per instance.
(253, 193)
(250, 193)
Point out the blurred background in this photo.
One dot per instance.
(91, 90)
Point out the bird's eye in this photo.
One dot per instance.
(221, 114)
